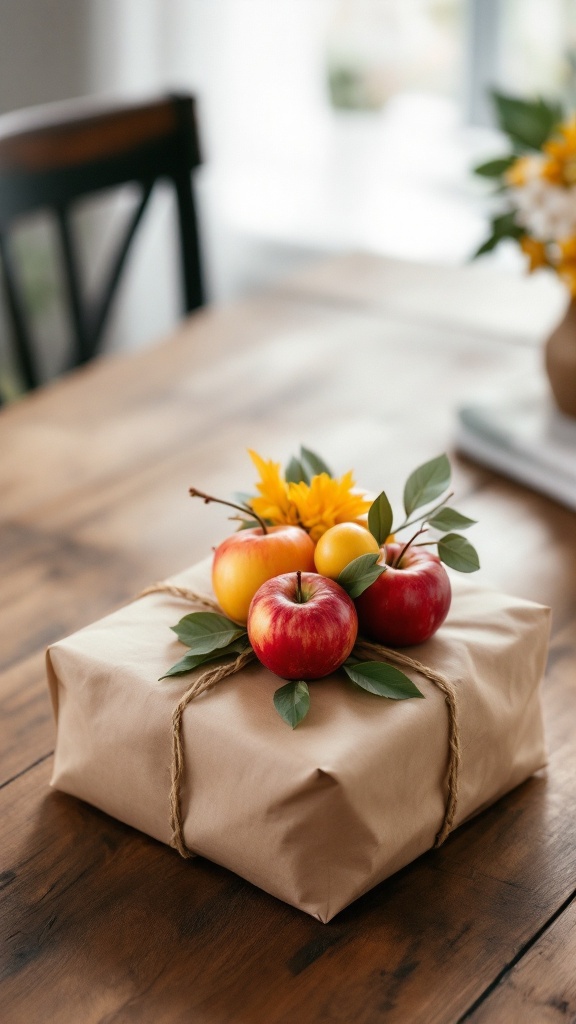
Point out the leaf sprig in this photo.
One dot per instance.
(424, 485)
(210, 637)
(528, 125)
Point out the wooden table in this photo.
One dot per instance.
(363, 360)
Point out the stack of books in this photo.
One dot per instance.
(523, 436)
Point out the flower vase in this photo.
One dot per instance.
(560, 361)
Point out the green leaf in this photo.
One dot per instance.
(205, 632)
(296, 473)
(450, 519)
(381, 679)
(505, 226)
(458, 553)
(292, 702)
(426, 483)
(250, 524)
(495, 168)
(380, 518)
(487, 246)
(529, 123)
(359, 574)
(191, 661)
(243, 498)
(313, 463)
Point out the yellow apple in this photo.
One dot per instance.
(244, 561)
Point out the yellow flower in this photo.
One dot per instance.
(274, 503)
(567, 247)
(327, 501)
(315, 507)
(535, 251)
(566, 264)
(561, 152)
(524, 169)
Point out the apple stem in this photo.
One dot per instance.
(406, 546)
(425, 515)
(207, 498)
(299, 586)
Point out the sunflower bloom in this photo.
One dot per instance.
(326, 501)
(274, 504)
(315, 507)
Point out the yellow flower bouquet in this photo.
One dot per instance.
(536, 184)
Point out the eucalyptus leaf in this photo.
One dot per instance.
(313, 463)
(450, 519)
(296, 472)
(495, 168)
(380, 518)
(529, 123)
(205, 632)
(383, 680)
(292, 702)
(426, 483)
(191, 661)
(458, 553)
(359, 574)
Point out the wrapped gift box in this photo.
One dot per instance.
(317, 815)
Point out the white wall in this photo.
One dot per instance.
(43, 51)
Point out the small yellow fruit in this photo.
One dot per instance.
(339, 545)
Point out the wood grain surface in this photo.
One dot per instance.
(100, 923)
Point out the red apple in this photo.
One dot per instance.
(406, 604)
(302, 633)
(248, 558)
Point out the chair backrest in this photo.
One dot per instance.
(52, 156)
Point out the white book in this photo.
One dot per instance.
(524, 437)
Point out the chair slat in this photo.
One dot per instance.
(80, 341)
(101, 307)
(23, 349)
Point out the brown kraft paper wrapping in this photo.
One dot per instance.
(317, 815)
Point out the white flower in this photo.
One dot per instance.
(547, 211)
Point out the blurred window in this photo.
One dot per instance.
(376, 49)
(538, 47)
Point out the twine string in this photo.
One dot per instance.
(184, 592)
(454, 752)
(201, 684)
(212, 676)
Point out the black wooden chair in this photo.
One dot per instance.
(53, 156)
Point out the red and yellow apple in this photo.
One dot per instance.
(302, 629)
(244, 561)
(407, 603)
